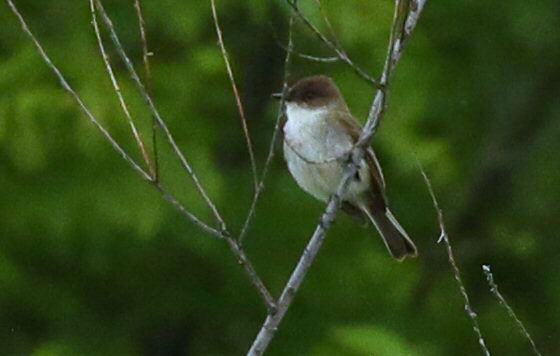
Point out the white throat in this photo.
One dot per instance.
(299, 115)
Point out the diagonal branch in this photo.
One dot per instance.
(270, 325)
(142, 89)
(394, 51)
(279, 115)
(236, 94)
(116, 87)
(494, 289)
(456, 272)
(148, 79)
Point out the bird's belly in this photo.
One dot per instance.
(321, 178)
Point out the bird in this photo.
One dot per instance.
(319, 132)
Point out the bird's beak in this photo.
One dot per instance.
(276, 96)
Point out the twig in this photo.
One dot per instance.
(394, 51)
(328, 23)
(494, 289)
(316, 58)
(75, 95)
(116, 87)
(142, 89)
(232, 243)
(102, 129)
(223, 234)
(456, 272)
(190, 216)
(256, 281)
(304, 55)
(270, 155)
(236, 94)
(341, 53)
(309, 56)
(272, 322)
(146, 54)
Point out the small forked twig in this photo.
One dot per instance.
(221, 233)
(238, 101)
(270, 156)
(66, 86)
(146, 54)
(456, 272)
(116, 87)
(303, 55)
(339, 51)
(142, 89)
(494, 289)
(75, 95)
(234, 246)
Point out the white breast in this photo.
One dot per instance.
(314, 151)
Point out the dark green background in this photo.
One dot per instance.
(94, 262)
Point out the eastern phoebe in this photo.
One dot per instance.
(319, 133)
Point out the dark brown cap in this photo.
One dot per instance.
(315, 91)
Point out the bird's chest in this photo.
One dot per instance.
(314, 139)
(313, 151)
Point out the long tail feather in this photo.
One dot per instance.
(395, 238)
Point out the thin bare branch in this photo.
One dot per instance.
(309, 56)
(304, 55)
(190, 216)
(270, 325)
(232, 243)
(237, 96)
(116, 87)
(270, 156)
(102, 129)
(222, 233)
(494, 289)
(456, 272)
(328, 23)
(340, 52)
(146, 54)
(316, 58)
(75, 95)
(142, 89)
(393, 55)
(256, 281)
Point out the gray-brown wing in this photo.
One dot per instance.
(377, 194)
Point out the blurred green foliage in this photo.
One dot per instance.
(94, 262)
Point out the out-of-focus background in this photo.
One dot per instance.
(94, 262)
